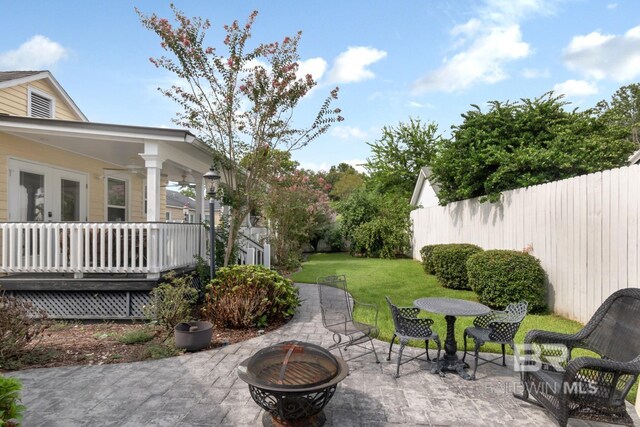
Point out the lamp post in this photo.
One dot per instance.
(213, 179)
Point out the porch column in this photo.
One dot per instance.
(199, 198)
(153, 163)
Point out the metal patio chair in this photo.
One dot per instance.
(337, 306)
(498, 327)
(588, 388)
(409, 327)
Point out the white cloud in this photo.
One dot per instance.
(514, 11)
(612, 6)
(482, 62)
(536, 73)
(358, 164)
(324, 166)
(605, 56)
(351, 65)
(415, 104)
(486, 44)
(314, 66)
(348, 132)
(36, 53)
(576, 88)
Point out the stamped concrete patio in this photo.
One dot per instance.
(202, 389)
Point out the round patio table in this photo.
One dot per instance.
(451, 308)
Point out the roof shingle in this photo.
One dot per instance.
(5, 76)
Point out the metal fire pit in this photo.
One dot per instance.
(293, 381)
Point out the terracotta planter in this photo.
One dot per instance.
(193, 336)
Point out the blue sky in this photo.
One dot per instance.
(391, 59)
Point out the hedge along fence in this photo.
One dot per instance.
(450, 263)
(500, 277)
(427, 260)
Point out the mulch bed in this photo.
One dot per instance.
(71, 343)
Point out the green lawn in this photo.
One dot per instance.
(404, 280)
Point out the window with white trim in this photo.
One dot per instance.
(40, 105)
(116, 199)
(167, 216)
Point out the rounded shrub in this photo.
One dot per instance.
(450, 263)
(244, 296)
(427, 261)
(500, 277)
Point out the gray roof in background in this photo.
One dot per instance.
(13, 75)
(177, 199)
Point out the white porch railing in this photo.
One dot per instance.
(252, 252)
(116, 247)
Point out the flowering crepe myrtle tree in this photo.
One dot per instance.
(298, 208)
(239, 102)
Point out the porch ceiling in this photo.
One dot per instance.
(115, 144)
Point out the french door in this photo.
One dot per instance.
(39, 192)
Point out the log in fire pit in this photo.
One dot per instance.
(293, 381)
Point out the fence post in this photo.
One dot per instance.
(267, 256)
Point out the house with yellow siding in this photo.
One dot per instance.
(83, 204)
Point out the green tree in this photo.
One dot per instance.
(399, 154)
(376, 225)
(344, 179)
(346, 185)
(359, 208)
(297, 206)
(518, 144)
(388, 233)
(189, 192)
(623, 112)
(239, 102)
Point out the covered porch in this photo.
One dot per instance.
(84, 213)
(91, 198)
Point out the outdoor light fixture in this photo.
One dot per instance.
(185, 213)
(213, 179)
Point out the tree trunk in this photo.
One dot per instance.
(235, 220)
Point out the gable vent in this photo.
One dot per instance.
(41, 106)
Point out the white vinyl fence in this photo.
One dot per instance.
(584, 230)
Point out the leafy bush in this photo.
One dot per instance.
(427, 260)
(136, 336)
(501, 277)
(382, 237)
(10, 408)
(333, 236)
(20, 323)
(172, 302)
(243, 296)
(450, 264)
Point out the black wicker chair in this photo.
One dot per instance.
(409, 327)
(498, 327)
(589, 388)
(337, 306)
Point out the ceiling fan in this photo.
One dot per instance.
(184, 183)
(131, 167)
